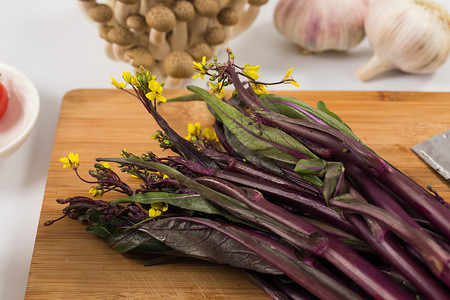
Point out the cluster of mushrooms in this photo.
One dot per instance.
(166, 36)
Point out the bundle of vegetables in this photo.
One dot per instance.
(282, 190)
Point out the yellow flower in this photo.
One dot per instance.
(117, 84)
(135, 81)
(143, 71)
(250, 71)
(288, 78)
(127, 77)
(157, 209)
(194, 130)
(155, 91)
(210, 134)
(72, 161)
(288, 74)
(260, 89)
(164, 176)
(200, 68)
(95, 192)
(217, 89)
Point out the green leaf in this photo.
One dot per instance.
(322, 106)
(295, 108)
(333, 180)
(208, 240)
(253, 157)
(136, 241)
(186, 201)
(100, 230)
(265, 140)
(311, 167)
(186, 97)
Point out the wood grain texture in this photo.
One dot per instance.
(68, 262)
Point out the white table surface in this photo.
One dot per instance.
(58, 48)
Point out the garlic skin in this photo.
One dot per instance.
(410, 35)
(321, 25)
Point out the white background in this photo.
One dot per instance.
(58, 48)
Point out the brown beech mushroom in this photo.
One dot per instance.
(228, 16)
(200, 49)
(161, 20)
(248, 16)
(206, 10)
(215, 35)
(139, 56)
(101, 13)
(103, 32)
(138, 26)
(124, 8)
(177, 66)
(136, 22)
(121, 39)
(184, 12)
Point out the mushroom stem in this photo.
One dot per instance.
(180, 36)
(145, 6)
(122, 10)
(197, 28)
(161, 20)
(373, 67)
(246, 19)
(184, 12)
(111, 3)
(158, 44)
(238, 5)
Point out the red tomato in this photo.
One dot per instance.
(3, 100)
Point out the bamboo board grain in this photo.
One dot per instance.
(68, 262)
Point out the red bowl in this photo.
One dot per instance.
(3, 100)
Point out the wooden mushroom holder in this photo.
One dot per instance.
(161, 34)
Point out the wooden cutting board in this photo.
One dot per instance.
(68, 262)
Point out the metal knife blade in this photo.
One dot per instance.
(436, 152)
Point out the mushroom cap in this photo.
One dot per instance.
(215, 35)
(136, 22)
(257, 2)
(103, 30)
(101, 13)
(139, 56)
(184, 10)
(200, 49)
(129, 1)
(207, 8)
(228, 16)
(120, 36)
(161, 18)
(178, 64)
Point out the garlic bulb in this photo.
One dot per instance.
(321, 25)
(410, 35)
